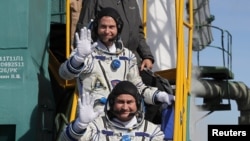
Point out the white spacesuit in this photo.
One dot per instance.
(110, 127)
(99, 67)
(99, 74)
(100, 64)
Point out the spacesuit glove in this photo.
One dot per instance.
(83, 44)
(86, 113)
(165, 97)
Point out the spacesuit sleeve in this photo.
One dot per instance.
(67, 71)
(69, 134)
(148, 92)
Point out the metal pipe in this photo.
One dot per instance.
(234, 90)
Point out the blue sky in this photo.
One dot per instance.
(231, 15)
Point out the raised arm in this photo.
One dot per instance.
(87, 114)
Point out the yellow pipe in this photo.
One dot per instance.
(183, 69)
(74, 106)
(179, 87)
(177, 16)
(189, 63)
(68, 50)
(181, 76)
(144, 17)
(67, 28)
(190, 43)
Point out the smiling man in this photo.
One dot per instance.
(123, 119)
(100, 61)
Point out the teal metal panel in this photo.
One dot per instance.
(58, 11)
(14, 23)
(19, 91)
(26, 96)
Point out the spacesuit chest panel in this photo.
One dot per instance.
(113, 68)
(137, 134)
(107, 71)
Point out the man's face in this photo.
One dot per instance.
(107, 30)
(125, 107)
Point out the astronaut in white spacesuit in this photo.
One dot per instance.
(123, 119)
(100, 61)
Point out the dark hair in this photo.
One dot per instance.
(108, 11)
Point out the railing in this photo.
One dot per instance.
(226, 52)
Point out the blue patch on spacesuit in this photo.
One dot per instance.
(114, 82)
(115, 64)
(103, 100)
(126, 138)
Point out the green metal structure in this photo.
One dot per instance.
(26, 103)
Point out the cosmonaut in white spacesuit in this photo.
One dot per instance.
(100, 61)
(123, 119)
